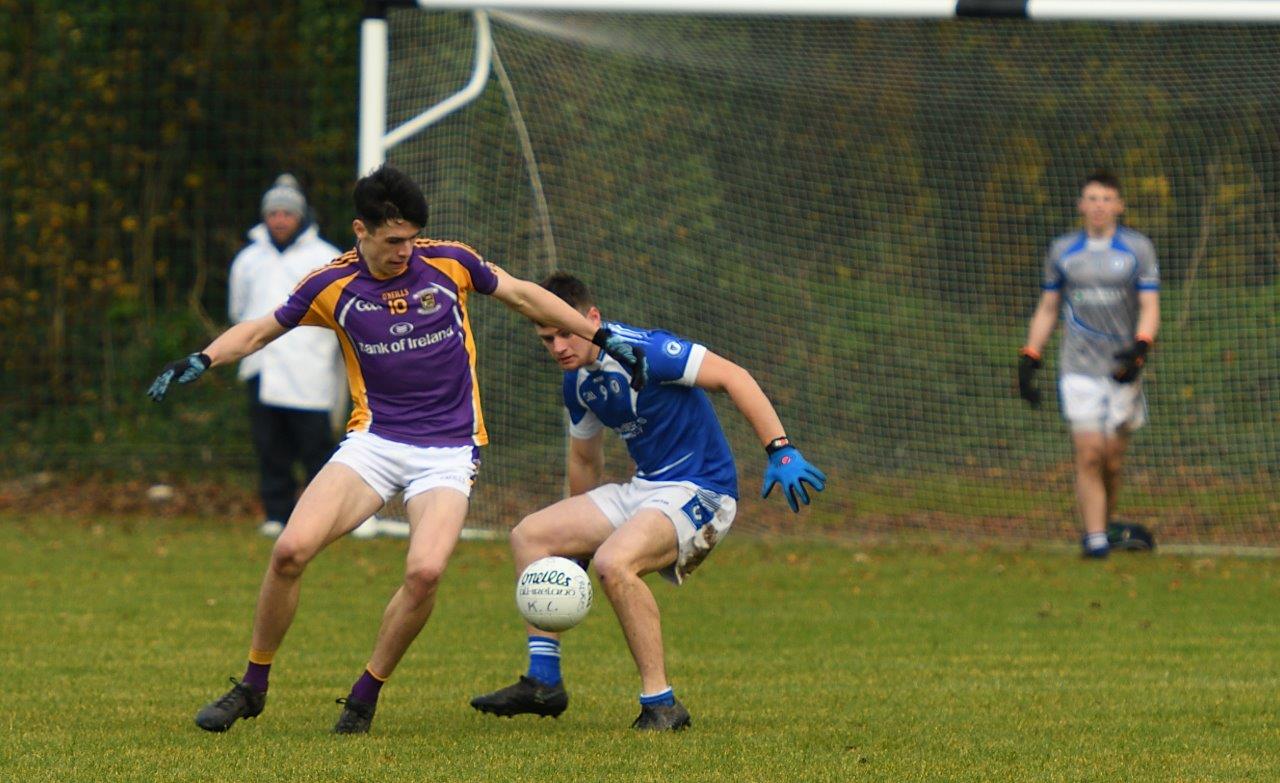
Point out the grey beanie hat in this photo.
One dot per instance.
(285, 195)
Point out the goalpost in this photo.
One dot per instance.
(852, 200)
(374, 141)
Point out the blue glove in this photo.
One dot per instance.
(628, 355)
(788, 467)
(186, 370)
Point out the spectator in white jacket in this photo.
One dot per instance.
(296, 382)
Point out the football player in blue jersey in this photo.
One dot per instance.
(667, 518)
(1103, 282)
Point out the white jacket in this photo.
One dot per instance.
(303, 368)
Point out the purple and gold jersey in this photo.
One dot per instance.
(407, 341)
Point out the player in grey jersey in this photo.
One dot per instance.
(1104, 283)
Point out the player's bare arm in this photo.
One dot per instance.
(243, 339)
(586, 463)
(787, 466)
(1148, 313)
(545, 308)
(1042, 323)
(1029, 357)
(1133, 357)
(540, 305)
(237, 342)
(718, 374)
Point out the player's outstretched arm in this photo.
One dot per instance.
(543, 307)
(787, 466)
(234, 344)
(1042, 323)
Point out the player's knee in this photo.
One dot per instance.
(521, 535)
(613, 567)
(529, 538)
(289, 559)
(1091, 460)
(421, 580)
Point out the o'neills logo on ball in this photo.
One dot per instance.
(559, 578)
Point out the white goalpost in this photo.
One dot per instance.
(852, 199)
(374, 140)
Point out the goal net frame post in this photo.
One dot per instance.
(374, 140)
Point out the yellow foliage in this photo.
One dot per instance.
(1157, 186)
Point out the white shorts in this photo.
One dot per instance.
(390, 467)
(701, 517)
(1093, 404)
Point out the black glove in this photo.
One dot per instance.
(628, 355)
(1027, 366)
(185, 370)
(1131, 361)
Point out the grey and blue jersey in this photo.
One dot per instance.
(1099, 280)
(669, 427)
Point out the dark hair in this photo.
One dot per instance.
(570, 289)
(1102, 177)
(389, 194)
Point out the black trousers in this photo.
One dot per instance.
(283, 437)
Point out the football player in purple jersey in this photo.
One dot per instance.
(398, 305)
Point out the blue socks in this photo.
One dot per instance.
(661, 699)
(544, 660)
(544, 666)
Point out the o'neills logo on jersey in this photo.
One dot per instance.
(1098, 296)
(427, 303)
(407, 343)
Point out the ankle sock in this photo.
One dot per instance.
(664, 698)
(257, 673)
(544, 660)
(367, 687)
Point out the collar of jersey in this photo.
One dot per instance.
(602, 363)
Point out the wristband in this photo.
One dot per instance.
(1030, 353)
(777, 444)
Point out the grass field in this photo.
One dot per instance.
(798, 664)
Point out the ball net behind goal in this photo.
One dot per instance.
(857, 212)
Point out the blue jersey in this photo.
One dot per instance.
(669, 426)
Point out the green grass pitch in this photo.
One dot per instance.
(798, 662)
